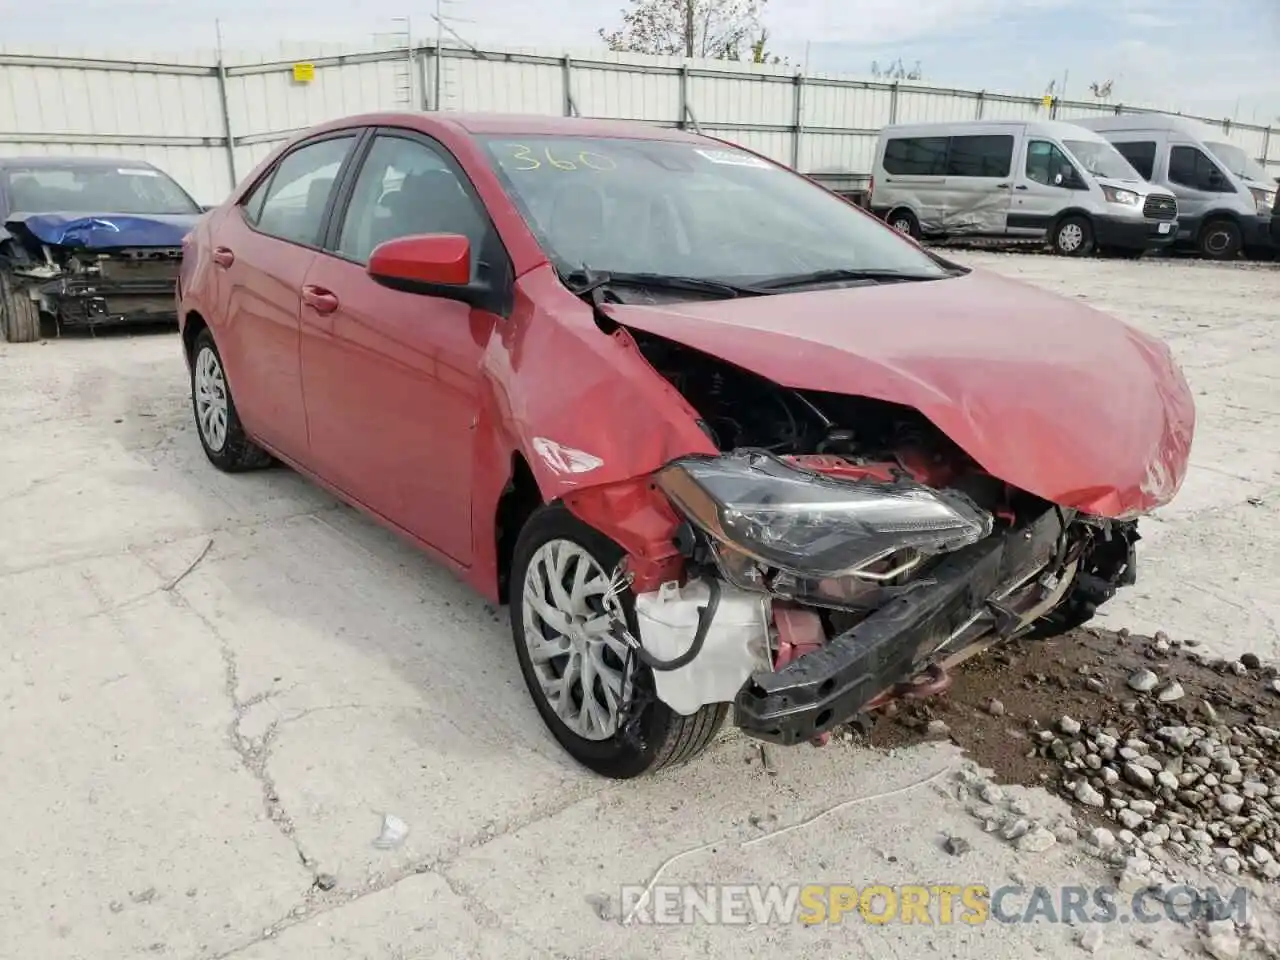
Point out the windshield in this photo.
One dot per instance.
(94, 189)
(692, 210)
(1239, 162)
(1102, 159)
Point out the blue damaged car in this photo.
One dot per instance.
(86, 242)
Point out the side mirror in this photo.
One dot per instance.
(1058, 179)
(435, 264)
(1215, 180)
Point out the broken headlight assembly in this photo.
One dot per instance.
(816, 526)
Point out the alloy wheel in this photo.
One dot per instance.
(567, 616)
(211, 399)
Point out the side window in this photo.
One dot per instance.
(988, 156)
(1141, 155)
(293, 199)
(1189, 167)
(1045, 162)
(405, 188)
(916, 156)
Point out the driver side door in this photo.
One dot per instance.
(1043, 187)
(392, 379)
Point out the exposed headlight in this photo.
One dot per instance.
(814, 525)
(1264, 200)
(1118, 195)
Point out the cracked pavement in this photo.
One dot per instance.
(213, 689)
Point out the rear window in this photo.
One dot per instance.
(916, 156)
(94, 189)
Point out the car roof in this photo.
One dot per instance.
(71, 162)
(526, 124)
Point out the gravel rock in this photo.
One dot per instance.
(1036, 840)
(957, 846)
(1139, 776)
(1143, 681)
(1102, 838)
(1146, 808)
(991, 793)
(1091, 939)
(995, 708)
(937, 728)
(1221, 940)
(1086, 794)
(1131, 819)
(1170, 691)
(1068, 726)
(1231, 803)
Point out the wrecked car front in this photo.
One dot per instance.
(90, 271)
(888, 498)
(93, 241)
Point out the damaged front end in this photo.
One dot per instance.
(93, 272)
(817, 573)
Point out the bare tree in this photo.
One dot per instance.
(896, 71)
(711, 29)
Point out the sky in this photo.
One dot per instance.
(1217, 58)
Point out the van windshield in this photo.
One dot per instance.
(1238, 162)
(1102, 159)
(695, 210)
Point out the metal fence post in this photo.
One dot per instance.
(893, 103)
(566, 68)
(226, 122)
(684, 95)
(797, 133)
(982, 99)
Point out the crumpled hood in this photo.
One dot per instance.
(1045, 393)
(107, 229)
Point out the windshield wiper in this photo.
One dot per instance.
(584, 281)
(840, 273)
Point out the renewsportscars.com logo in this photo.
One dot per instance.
(970, 904)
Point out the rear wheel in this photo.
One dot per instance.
(1220, 240)
(1073, 237)
(595, 699)
(904, 221)
(222, 435)
(19, 315)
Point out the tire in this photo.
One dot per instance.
(904, 221)
(1220, 240)
(221, 433)
(19, 315)
(656, 737)
(1073, 237)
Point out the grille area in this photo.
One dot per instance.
(1160, 208)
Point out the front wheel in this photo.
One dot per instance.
(19, 315)
(1073, 237)
(595, 699)
(904, 221)
(1220, 240)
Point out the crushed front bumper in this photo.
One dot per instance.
(831, 685)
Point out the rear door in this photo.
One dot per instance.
(392, 379)
(264, 249)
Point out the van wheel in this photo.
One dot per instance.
(1073, 237)
(1220, 240)
(904, 221)
(576, 669)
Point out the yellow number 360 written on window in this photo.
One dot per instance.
(524, 158)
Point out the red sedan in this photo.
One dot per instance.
(720, 438)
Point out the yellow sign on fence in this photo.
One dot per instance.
(1047, 99)
(304, 72)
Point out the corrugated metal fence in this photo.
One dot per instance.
(208, 120)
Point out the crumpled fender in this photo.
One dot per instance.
(106, 230)
(593, 425)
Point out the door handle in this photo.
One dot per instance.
(1021, 186)
(319, 299)
(223, 256)
(1002, 186)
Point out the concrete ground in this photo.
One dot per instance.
(182, 756)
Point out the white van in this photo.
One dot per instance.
(1224, 195)
(1016, 179)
